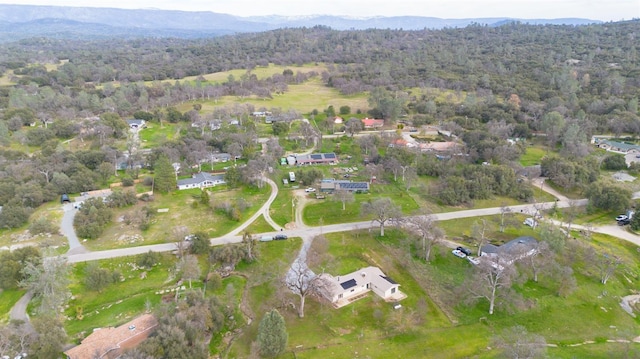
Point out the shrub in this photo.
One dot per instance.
(127, 181)
(43, 225)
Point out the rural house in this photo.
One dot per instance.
(136, 124)
(620, 147)
(371, 123)
(316, 158)
(201, 180)
(345, 289)
(331, 185)
(513, 250)
(110, 342)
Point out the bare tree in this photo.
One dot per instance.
(607, 264)
(189, 268)
(48, 281)
(504, 211)
(249, 244)
(353, 126)
(344, 197)
(409, 177)
(301, 281)
(539, 259)
(179, 234)
(383, 211)
(491, 279)
(393, 165)
(478, 231)
(429, 233)
(570, 213)
(516, 342)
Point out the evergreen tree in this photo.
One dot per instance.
(165, 178)
(272, 335)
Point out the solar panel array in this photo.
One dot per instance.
(353, 185)
(348, 284)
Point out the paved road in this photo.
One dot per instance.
(66, 227)
(306, 232)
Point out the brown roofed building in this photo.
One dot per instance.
(110, 342)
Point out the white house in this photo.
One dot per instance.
(344, 289)
(201, 180)
(136, 124)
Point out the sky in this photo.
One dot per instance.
(605, 10)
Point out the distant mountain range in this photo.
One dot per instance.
(24, 21)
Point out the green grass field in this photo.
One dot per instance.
(533, 155)
(184, 210)
(7, 300)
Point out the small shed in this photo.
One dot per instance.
(65, 198)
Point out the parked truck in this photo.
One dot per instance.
(292, 177)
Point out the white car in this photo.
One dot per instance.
(473, 260)
(310, 189)
(622, 217)
(458, 253)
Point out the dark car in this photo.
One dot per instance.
(464, 250)
(280, 237)
(624, 222)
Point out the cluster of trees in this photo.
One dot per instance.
(92, 218)
(466, 183)
(12, 263)
(184, 328)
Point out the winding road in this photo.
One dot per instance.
(77, 253)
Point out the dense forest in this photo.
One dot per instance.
(563, 82)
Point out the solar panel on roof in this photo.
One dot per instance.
(348, 284)
(329, 155)
(389, 279)
(316, 157)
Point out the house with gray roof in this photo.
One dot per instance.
(513, 250)
(316, 158)
(616, 146)
(331, 185)
(201, 180)
(136, 124)
(344, 289)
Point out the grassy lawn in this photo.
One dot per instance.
(260, 225)
(304, 97)
(329, 211)
(156, 134)
(184, 210)
(533, 155)
(118, 302)
(7, 299)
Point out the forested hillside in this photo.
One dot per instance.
(483, 83)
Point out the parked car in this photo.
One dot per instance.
(624, 222)
(622, 217)
(189, 237)
(458, 253)
(464, 250)
(530, 222)
(266, 238)
(278, 237)
(310, 189)
(473, 260)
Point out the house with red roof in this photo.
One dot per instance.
(111, 342)
(372, 123)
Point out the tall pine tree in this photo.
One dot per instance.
(272, 335)
(165, 178)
